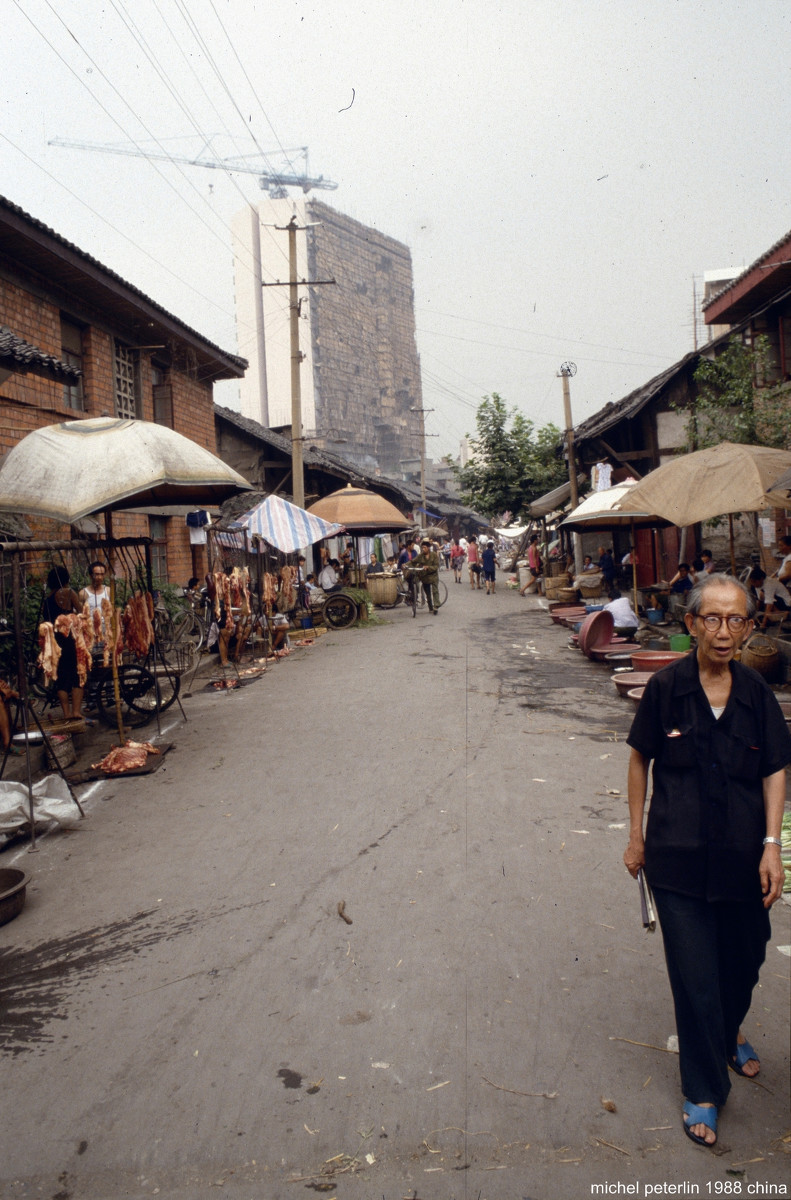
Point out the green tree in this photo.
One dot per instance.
(735, 403)
(512, 464)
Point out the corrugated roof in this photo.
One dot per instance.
(17, 354)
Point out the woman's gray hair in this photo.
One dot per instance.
(717, 579)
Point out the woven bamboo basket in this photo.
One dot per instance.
(61, 752)
(383, 589)
(566, 593)
(589, 591)
(763, 655)
(554, 584)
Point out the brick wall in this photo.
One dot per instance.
(29, 402)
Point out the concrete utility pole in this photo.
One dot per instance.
(297, 464)
(567, 370)
(422, 411)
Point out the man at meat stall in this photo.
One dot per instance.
(97, 596)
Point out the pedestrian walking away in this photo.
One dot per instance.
(457, 557)
(488, 562)
(711, 850)
(474, 563)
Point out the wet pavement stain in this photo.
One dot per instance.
(36, 981)
(291, 1079)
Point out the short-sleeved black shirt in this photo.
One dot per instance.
(706, 823)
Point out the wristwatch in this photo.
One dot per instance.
(772, 842)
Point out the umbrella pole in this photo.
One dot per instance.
(733, 553)
(634, 570)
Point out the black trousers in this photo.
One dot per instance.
(714, 951)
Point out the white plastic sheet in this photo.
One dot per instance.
(52, 801)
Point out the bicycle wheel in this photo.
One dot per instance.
(443, 592)
(187, 626)
(105, 694)
(339, 611)
(141, 690)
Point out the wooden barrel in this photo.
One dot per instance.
(383, 589)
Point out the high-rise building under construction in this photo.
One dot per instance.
(360, 372)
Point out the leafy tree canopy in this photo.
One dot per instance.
(734, 402)
(513, 463)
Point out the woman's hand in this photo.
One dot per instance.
(772, 874)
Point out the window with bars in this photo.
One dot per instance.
(162, 393)
(158, 531)
(126, 382)
(71, 353)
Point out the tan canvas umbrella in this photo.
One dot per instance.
(361, 511)
(716, 482)
(67, 471)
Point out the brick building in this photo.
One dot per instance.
(76, 341)
(360, 374)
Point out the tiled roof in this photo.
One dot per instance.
(16, 354)
(22, 234)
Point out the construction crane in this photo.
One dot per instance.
(273, 182)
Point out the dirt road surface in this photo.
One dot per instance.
(367, 934)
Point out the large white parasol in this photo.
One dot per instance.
(99, 464)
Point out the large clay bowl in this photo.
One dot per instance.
(626, 680)
(636, 694)
(596, 630)
(13, 884)
(568, 610)
(652, 660)
(602, 654)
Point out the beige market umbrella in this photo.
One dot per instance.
(67, 471)
(360, 511)
(716, 482)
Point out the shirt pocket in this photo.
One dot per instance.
(743, 758)
(678, 750)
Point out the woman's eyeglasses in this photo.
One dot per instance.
(734, 622)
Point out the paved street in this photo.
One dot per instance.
(187, 1015)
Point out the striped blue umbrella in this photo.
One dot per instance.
(285, 526)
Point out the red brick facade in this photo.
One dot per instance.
(34, 306)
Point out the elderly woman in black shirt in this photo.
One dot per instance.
(711, 850)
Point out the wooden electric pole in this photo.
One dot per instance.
(567, 370)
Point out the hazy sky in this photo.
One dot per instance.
(561, 170)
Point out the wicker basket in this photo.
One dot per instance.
(590, 591)
(554, 584)
(383, 589)
(763, 655)
(567, 593)
(61, 752)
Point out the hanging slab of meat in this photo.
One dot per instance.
(129, 757)
(6, 693)
(49, 650)
(88, 626)
(288, 576)
(71, 624)
(240, 590)
(270, 590)
(138, 630)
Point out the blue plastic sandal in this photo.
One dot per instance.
(699, 1116)
(744, 1053)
